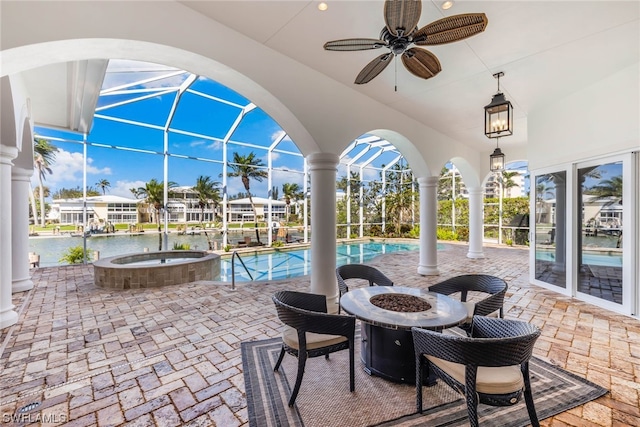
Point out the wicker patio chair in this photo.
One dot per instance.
(490, 367)
(311, 332)
(360, 271)
(492, 305)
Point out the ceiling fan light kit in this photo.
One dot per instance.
(401, 36)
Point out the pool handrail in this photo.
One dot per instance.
(233, 269)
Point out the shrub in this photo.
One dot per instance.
(446, 234)
(75, 255)
(181, 246)
(462, 233)
(405, 229)
(375, 230)
(277, 244)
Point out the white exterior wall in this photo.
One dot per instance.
(572, 128)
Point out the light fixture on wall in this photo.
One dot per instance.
(496, 160)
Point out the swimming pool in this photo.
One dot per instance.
(605, 259)
(284, 264)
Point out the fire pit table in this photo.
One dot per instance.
(387, 344)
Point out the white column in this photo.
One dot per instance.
(476, 230)
(20, 229)
(323, 168)
(8, 316)
(428, 226)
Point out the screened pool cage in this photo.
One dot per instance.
(151, 118)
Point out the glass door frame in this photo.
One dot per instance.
(569, 289)
(630, 215)
(631, 220)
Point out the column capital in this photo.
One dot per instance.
(475, 190)
(428, 181)
(21, 174)
(323, 161)
(7, 154)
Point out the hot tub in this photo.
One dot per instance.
(155, 269)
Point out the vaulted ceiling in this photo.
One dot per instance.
(547, 50)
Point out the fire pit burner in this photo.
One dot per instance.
(400, 302)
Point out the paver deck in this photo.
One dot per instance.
(171, 356)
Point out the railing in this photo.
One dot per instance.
(233, 269)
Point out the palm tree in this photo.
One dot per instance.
(248, 167)
(44, 155)
(103, 184)
(608, 188)
(153, 192)
(290, 191)
(506, 179)
(208, 192)
(544, 191)
(399, 195)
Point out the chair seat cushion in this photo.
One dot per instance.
(471, 307)
(290, 338)
(490, 380)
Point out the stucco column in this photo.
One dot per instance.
(428, 226)
(8, 316)
(20, 181)
(323, 168)
(476, 214)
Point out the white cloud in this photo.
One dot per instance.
(281, 177)
(122, 188)
(66, 171)
(122, 72)
(215, 145)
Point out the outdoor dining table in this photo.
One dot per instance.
(387, 343)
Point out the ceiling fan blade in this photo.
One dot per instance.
(421, 63)
(451, 29)
(402, 16)
(354, 44)
(374, 68)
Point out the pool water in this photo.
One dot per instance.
(602, 259)
(285, 264)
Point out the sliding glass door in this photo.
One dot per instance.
(586, 220)
(605, 226)
(550, 228)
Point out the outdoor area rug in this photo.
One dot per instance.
(324, 398)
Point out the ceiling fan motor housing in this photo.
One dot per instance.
(397, 44)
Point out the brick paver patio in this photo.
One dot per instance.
(171, 356)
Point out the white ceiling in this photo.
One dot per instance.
(547, 50)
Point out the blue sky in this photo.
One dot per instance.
(202, 120)
(196, 114)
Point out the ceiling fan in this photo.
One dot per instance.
(401, 33)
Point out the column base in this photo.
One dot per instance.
(475, 255)
(8, 318)
(424, 270)
(332, 304)
(21, 285)
(558, 267)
